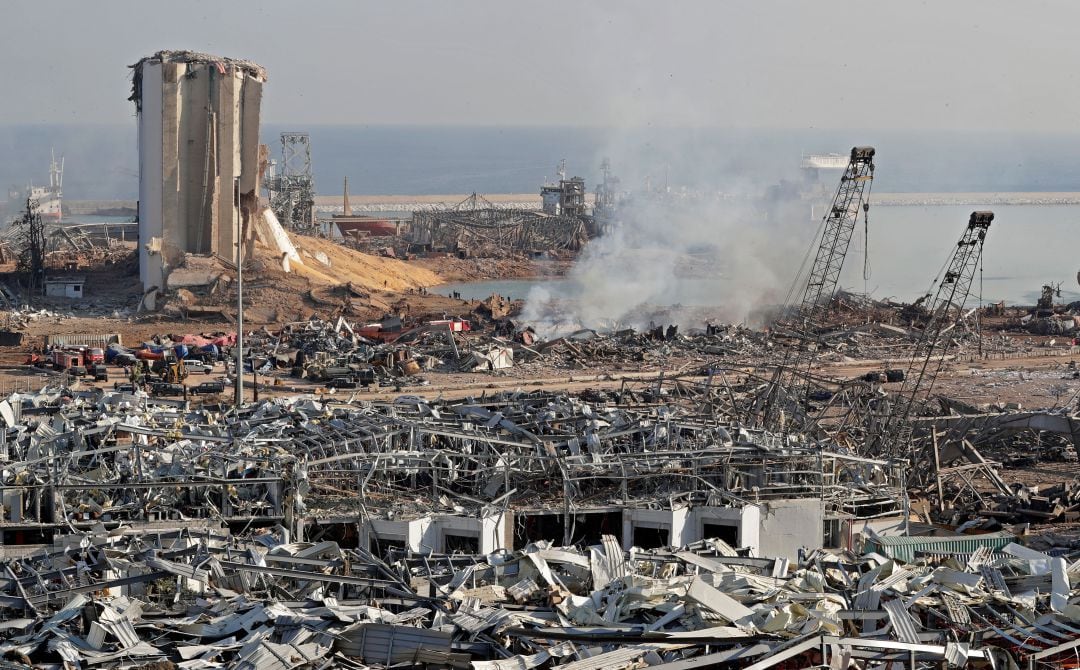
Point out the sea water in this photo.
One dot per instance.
(102, 160)
(1027, 246)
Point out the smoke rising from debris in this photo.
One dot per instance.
(719, 249)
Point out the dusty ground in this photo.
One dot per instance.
(452, 269)
(332, 279)
(382, 285)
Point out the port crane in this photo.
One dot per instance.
(893, 440)
(786, 393)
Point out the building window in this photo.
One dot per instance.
(650, 538)
(721, 531)
(461, 544)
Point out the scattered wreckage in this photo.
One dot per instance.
(613, 529)
(200, 597)
(650, 525)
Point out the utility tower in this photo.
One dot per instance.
(291, 187)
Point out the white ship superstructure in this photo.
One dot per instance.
(49, 198)
(824, 161)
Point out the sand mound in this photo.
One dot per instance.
(347, 265)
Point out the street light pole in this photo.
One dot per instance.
(239, 297)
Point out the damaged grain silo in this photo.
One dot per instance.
(198, 134)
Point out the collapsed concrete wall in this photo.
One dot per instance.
(788, 525)
(198, 125)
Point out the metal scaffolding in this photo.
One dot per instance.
(291, 186)
(475, 226)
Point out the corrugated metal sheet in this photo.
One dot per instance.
(407, 616)
(993, 556)
(480, 619)
(956, 654)
(608, 562)
(993, 577)
(71, 610)
(388, 644)
(522, 590)
(514, 662)
(124, 632)
(869, 599)
(255, 655)
(261, 654)
(612, 660)
(978, 557)
(903, 624)
(188, 571)
(96, 637)
(120, 626)
(224, 626)
(898, 575)
(84, 340)
(958, 613)
(905, 548)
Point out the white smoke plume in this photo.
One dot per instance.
(720, 252)
(713, 240)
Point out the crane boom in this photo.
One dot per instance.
(836, 237)
(894, 439)
(852, 196)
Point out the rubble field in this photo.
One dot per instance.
(422, 481)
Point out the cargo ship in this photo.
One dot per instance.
(355, 226)
(48, 198)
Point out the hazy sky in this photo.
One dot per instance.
(985, 65)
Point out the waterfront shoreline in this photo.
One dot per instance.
(407, 203)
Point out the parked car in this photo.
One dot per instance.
(166, 389)
(209, 387)
(194, 365)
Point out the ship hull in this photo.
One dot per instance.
(47, 203)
